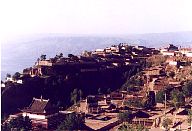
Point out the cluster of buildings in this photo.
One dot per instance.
(100, 112)
(116, 56)
(172, 50)
(177, 56)
(10, 79)
(101, 59)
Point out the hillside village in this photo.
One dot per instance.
(154, 93)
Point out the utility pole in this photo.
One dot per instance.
(147, 84)
(165, 103)
(190, 118)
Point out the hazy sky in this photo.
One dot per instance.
(20, 17)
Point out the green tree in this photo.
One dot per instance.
(38, 59)
(99, 91)
(133, 84)
(177, 98)
(80, 94)
(27, 124)
(125, 127)
(108, 90)
(150, 102)
(43, 57)
(70, 55)
(187, 89)
(148, 64)
(190, 117)
(60, 55)
(16, 76)
(74, 96)
(156, 60)
(71, 122)
(21, 123)
(8, 75)
(59, 103)
(172, 74)
(135, 103)
(86, 53)
(5, 127)
(160, 96)
(141, 128)
(125, 116)
(166, 122)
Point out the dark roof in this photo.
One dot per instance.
(92, 99)
(39, 106)
(184, 112)
(141, 114)
(188, 106)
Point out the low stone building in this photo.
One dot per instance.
(95, 104)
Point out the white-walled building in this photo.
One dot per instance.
(42, 113)
(9, 79)
(185, 50)
(168, 53)
(174, 63)
(189, 54)
(2, 85)
(19, 81)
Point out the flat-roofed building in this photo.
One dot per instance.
(168, 53)
(189, 54)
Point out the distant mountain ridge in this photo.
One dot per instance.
(22, 53)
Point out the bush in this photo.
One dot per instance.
(177, 98)
(125, 128)
(156, 60)
(125, 116)
(133, 84)
(16, 76)
(19, 123)
(172, 74)
(166, 122)
(187, 89)
(160, 96)
(189, 116)
(135, 103)
(72, 122)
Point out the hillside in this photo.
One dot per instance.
(24, 51)
(58, 87)
(56, 78)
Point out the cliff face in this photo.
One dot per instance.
(16, 96)
(58, 86)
